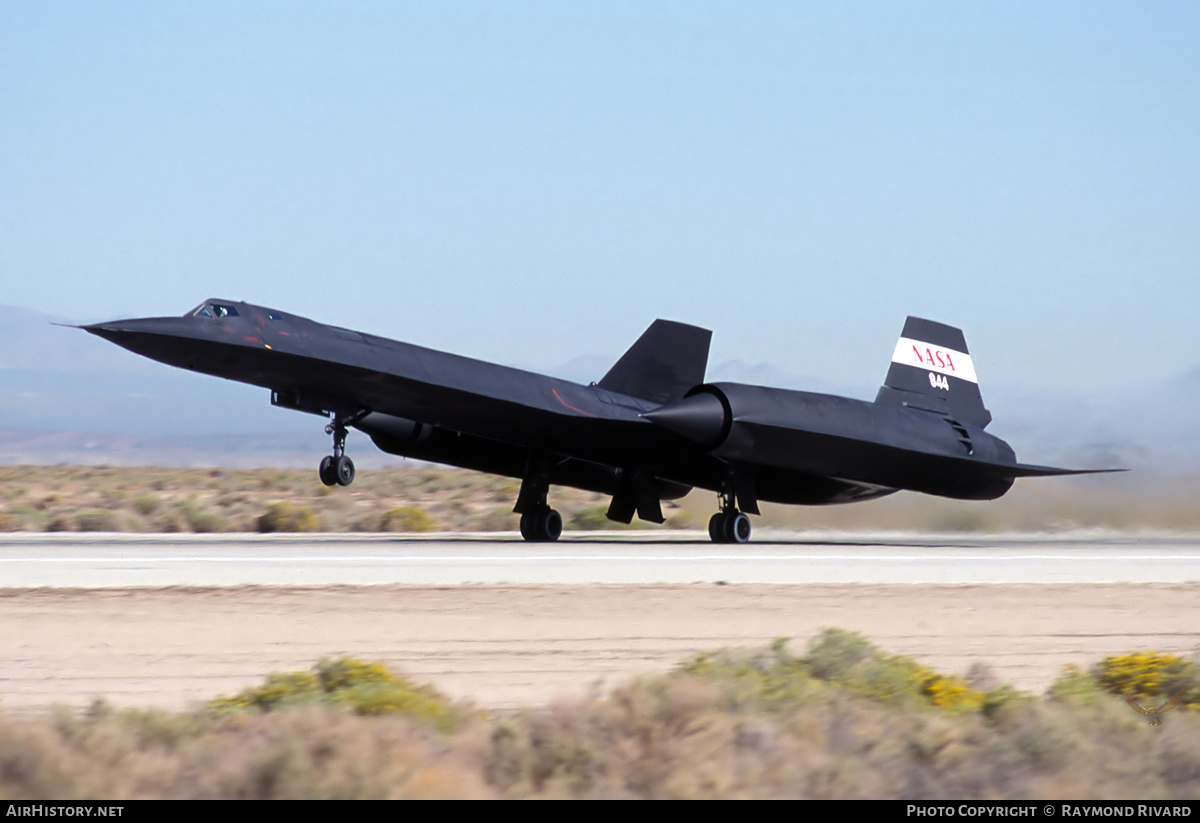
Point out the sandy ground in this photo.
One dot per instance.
(504, 646)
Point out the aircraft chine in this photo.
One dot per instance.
(649, 430)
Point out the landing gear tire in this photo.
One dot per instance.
(729, 527)
(338, 469)
(551, 525)
(541, 525)
(716, 528)
(326, 471)
(343, 470)
(737, 527)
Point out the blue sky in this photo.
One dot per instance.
(526, 182)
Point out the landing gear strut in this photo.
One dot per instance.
(729, 525)
(338, 468)
(539, 522)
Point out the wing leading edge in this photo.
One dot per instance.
(924, 432)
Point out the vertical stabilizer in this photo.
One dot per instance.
(932, 370)
(666, 361)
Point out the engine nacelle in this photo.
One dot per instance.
(839, 437)
(395, 435)
(704, 416)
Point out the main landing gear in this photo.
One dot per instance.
(729, 525)
(541, 525)
(539, 522)
(338, 468)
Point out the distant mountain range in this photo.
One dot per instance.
(68, 397)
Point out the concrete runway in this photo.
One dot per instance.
(30, 560)
(170, 621)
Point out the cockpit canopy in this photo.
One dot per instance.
(214, 309)
(217, 309)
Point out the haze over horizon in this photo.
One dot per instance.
(69, 397)
(529, 182)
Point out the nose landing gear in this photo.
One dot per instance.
(338, 468)
(336, 471)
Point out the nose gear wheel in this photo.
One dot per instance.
(338, 469)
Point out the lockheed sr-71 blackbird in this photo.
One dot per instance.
(650, 430)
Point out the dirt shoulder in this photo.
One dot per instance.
(511, 645)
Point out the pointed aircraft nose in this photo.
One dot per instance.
(159, 338)
(109, 331)
(130, 334)
(700, 417)
(115, 330)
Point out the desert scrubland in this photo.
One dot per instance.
(929, 696)
(421, 498)
(841, 718)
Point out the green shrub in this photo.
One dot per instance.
(595, 518)
(364, 688)
(892, 680)
(497, 519)
(773, 679)
(24, 516)
(395, 698)
(334, 673)
(200, 520)
(96, 520)
(592, 518)
(60, 523)
(407, 519)
(146, 503)
(952, 693)
(851, 660)
(836, 652)
(999, 701)
(286, 516)
(279, 689)
(206, 522)
(1074, 684)
(770, 679)
(1143, 674)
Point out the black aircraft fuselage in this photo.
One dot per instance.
(650, 430)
